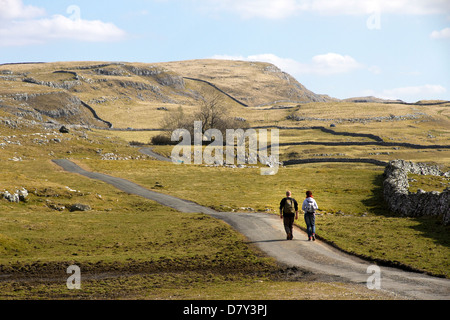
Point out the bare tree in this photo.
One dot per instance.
(174, 120)
(213, 114)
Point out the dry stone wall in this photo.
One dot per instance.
(421, 203)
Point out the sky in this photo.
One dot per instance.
(394, 49)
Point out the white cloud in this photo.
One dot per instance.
(411, 93)
(253, 8)
(361, 7)
(442, 34)
(424, 90)
(13, 9)
(284, 8)
(23, 28)
(324, 64)
(333, 63)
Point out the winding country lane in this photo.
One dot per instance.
(266, 231)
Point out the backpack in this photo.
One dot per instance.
(289, 206)
(310, 207)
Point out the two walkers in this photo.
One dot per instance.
(289, 212)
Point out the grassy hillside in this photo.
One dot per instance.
(131, 93)
(253, 83)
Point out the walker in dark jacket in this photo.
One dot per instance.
(288, 214)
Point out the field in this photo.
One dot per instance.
(137, 247)
(133, 248)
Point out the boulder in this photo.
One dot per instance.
(19, 195)
(23, 194)
(64, 129)
(11, 197)
(79, 207)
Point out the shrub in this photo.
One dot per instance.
(161, 140)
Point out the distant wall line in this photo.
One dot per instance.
(218, 89)
(378, 141)
(326, 130)
(368, 143)
(339, 160)
(94, 113)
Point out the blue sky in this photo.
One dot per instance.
(344, 48)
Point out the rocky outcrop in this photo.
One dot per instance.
(80, 207)
(171, 80)
(23, 112)
(60, 106)
(67, 85)
(64, 129)
(296, 91)
(401, 200)
(138, 85)
(19, 195)
(161, 75)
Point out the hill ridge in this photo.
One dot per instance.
(101, 85)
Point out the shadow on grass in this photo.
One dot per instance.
(430, 227)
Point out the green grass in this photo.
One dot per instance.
(354, 190)
(355, 217)
(122, 234)
(119, 227)
(132, 248)
(427, 183)
(143, 137)
(422, 243)
(236, 188)
(439, 157)
(127, 247)
(191, 285)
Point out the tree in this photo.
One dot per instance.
(212, 113)
(215, 115)
(174, 120)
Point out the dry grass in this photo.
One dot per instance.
(262, 84)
